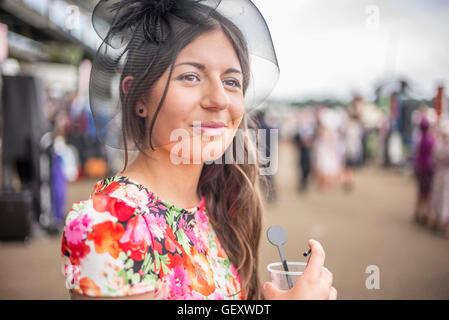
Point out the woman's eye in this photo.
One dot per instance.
(233, 83)
(189, 77)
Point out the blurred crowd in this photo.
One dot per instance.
(332, 143)
(407, 135)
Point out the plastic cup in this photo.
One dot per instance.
(279, 276)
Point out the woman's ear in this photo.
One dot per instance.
(141, 109)
(126, 84)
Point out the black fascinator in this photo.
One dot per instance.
(135, 34)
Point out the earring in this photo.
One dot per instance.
(141, 110)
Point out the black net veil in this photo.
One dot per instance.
(135, 34)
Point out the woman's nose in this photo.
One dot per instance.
(215, 96)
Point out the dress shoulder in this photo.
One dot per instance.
(106, 249)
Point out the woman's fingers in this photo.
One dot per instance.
(273, 293)
(327, 276)
(316, 260)
(332, 294)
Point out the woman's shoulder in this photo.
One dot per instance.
(111, 199)
(124, 189)
(105, 246)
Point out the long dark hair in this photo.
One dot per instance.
(236, 215)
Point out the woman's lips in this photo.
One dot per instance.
(209, 131)
(211, 128)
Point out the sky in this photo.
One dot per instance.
(331, 49)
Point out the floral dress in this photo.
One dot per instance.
(124, 241)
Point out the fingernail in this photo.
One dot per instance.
(265, 285)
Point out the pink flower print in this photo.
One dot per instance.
(193, 295)
(202, 221)
(182, 224)
(216, 296)
(76, 229)
(202, 205)
(72, 275)
(151, 196)
(179, 282)
(137, 195)
(152, 203)
(162, 290)
(152, 206)
(194, 237)
(159, 204)
(157, 225)
(136, 238)
(138, 233)
(233, 270)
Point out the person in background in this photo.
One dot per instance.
(424, 170)
(327, 153)
(304, 140)
(269, 185)
(439, 203)
(353, 141)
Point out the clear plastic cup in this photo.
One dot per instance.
(279, 276)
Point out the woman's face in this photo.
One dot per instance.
(204, 104)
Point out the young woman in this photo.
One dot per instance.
(176, 224)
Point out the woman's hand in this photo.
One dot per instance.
(314, 284)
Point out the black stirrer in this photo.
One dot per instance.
(277, 236)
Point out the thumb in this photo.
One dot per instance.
(272, 292)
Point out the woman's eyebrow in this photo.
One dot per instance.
(195, 64)
(202, 67)
(232, 70)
